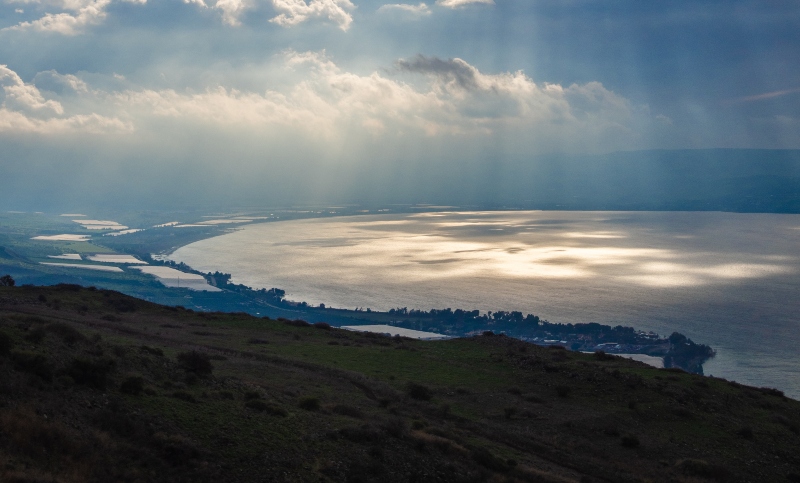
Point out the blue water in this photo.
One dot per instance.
(728, 280)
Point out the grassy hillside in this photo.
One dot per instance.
(98, 386)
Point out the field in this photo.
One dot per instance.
(118, 389)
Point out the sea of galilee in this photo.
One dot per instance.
(724, 279)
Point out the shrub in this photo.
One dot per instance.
(177, 450)
(509, 412)
(769, 391)
(485, 458)
(297, 323)
(418, 392)
(257, 341)
(7, 281)
(151, 350)
(364, 434)
(31, 363)
(133, 385)
(323, 326)
(345, 410)
(309, 404)
(92, 373)
(487, 333)
(196, 363)
(745, 432)
(35, 437)
(122, 305)
(184, 396)
(252, 395)
(6, 344)
(602, 356)
(630, 441)
(396, 427)
(36, 335)
(703, 469)
(66, 333)
(265, 407)
(563, 391)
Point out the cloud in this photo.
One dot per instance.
(294, 12)
(91, 13)
(455, 99)
(25, 110)
(231, 10)
(764, 96)
(416, 10)
(24, 97)
(325, 103)
(462, 3)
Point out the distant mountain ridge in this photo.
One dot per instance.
(736, 180)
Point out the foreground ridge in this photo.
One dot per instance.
(99, 386)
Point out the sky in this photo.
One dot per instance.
(226, 101)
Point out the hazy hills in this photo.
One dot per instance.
(715, 179)
(98, 386)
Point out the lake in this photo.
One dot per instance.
(724, 279)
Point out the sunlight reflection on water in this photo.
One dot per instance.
(729, 280)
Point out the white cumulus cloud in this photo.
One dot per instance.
(76, 17)
(294, 12)
(462, 3)
(25, 110)
(418, 10)
(327, 104)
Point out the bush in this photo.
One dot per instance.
(746, 433)
(265, 407)
(133, 385)
(703, 469)
(65, 332)
(184, 396)
(630, 441)
(485, 458)
(196, 363)
(769, 391)
(7, 281)
(297, 323)
(6, 344)
(418, 392)
(122, 305)
(323, 326)
(602, 356)
(563, 391)
(92, 373)
(345, 410)
(31, 363)
(36, 335)
(176, 449)
(151, 350)
(252, 395)
(309, 404)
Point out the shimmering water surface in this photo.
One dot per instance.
(724, 279)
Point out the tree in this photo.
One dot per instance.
(7, 281)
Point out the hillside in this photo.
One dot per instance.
(99, 386)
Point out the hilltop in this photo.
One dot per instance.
(100, 386)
